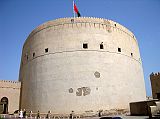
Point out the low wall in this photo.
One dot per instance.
(141, 108)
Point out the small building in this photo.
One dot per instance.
(9, 96)
(141, 108)
(150, 106)
(155, 83)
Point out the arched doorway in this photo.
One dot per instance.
(4, 103)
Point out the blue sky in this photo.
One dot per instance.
(19, 17)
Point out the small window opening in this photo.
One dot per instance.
(72, 20)
(101, 46)
(46, 50)
(119, 49)
(115, 25)
(132, 54)
(94, 24)
(34, 54)
(27, 57)
(85, 45)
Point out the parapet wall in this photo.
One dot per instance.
(10, 84)
(100, 23)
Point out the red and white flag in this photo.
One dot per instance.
(76, 10)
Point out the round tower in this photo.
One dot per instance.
(80, 64)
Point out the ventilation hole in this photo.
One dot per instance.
(97, 74)
(70, 90)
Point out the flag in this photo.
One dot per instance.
(76, 10)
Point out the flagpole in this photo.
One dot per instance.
(73, 10)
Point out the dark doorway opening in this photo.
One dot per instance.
(4, 103)
(158, 95)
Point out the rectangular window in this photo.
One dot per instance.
(85, 45)
(46, 50)
(119, 49)
(101, 46)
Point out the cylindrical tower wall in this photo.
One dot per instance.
(80, 64)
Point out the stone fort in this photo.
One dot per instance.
(79, 64)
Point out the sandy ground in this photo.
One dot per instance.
(123, 117)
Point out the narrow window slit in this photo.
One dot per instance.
(33, 54)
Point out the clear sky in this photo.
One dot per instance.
(19, 17)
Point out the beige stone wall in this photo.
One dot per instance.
(69, 77)
(11, 90)
(155, 83)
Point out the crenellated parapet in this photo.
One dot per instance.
(83, 22)
(155, 84)
(10, 84)
(155, 75)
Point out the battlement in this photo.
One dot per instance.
(9, 81)
(10, 84)
(155, 75)
(96, 22)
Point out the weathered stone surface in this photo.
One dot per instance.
(54, 61)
